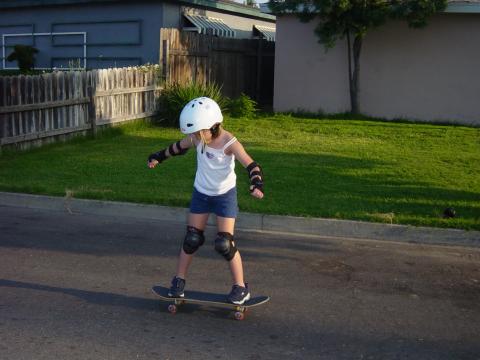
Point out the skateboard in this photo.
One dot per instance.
(205, 298)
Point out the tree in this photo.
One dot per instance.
(25, 57)
(352, 19)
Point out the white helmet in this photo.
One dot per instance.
(199, 114)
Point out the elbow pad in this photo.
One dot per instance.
(172, 150)
(178, 151)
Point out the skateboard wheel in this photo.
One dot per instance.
(239, 315)
(172, 309)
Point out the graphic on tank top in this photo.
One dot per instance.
(215, 170)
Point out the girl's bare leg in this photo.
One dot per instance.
(236, 266)
(198, 221)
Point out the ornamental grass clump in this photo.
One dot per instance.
(175, 96)
(243, 106)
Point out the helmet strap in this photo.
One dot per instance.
(204, 142)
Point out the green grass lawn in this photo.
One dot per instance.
(399, 173)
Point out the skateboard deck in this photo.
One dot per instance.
(205, 298)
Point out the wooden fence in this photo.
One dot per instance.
(238, 65)
(42, 108)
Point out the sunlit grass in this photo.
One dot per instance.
(398, 173)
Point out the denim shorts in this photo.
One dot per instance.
(224, 205)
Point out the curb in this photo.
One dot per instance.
(252, 222)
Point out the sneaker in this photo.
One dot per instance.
(176, 290)
(239, 294)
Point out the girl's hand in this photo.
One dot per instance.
(152, 164)
(257, 194)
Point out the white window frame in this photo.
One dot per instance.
(4, 46)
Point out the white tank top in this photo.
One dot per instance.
(215, 170)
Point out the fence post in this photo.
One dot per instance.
(3, 102)
(91, 110)
(209, 62)
(258, 87)
(164, 58)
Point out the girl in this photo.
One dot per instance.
(214, 189)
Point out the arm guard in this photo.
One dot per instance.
(256, 177)
(159, 156)
(179, 151)
(172, 150)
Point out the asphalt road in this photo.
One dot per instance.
(76, 286)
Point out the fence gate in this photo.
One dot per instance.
(238, 65)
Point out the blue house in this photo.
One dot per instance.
(116, 33)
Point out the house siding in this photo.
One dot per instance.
(429, 74)
(118, 33)
(125, 29)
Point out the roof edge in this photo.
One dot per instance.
(463, 7)
(455, 7)
(229, 7)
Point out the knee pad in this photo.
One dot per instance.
(224, 245)
(193, 240)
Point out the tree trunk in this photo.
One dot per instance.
(350, 82)
(355, 78)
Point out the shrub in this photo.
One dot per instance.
(25, 57)
(243, 106)
(175, 96)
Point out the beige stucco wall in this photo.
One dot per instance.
(432, 74)
(307, 78)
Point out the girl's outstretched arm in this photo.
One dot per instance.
(254, 170)
(178, 148)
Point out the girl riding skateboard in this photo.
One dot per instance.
(214, 189)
